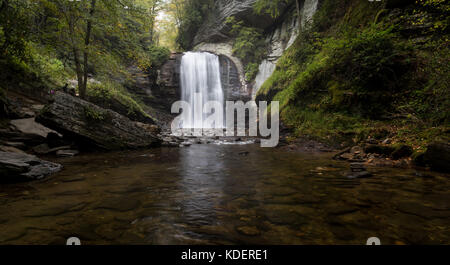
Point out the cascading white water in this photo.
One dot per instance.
(309, 9)
(200, 73)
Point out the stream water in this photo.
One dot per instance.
(224, 194)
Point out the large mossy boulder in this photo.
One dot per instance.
(94, 127)
(15, 167)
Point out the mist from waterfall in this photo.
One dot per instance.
(200, 73)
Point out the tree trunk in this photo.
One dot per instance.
(83, 87)
(152, 23)
(76, 55)
(79, 71)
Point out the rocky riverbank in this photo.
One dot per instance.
(61, 128)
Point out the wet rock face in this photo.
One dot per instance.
(231, 83)
(16, 167)
(231, 78)
(215, 28)
(93, 126)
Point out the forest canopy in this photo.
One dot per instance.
(58, 39)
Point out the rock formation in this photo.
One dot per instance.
(16, 167)
(93, 126)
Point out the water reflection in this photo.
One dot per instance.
(229, 194)
(203, 174)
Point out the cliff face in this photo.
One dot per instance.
(214, 29)
(213, 36)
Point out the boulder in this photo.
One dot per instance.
(94, 127)
(44, 149)
(15, 167)
(437, 156)
(11, 149)
(30, 126)
(29, 139)
(402, 151)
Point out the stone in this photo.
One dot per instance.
(357, 167)
(437, 156)
(15, 167)
(44, 149)
(11, 149)
(359, 175)
(67, 153)
(26, 138)
(93, 126)
(387, 141)
(402, 151)
(19, 145)
(30, 126)
(186, 144)
(356, 150)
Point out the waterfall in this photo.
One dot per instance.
(200, 73)
(266, 69)
(309, 9)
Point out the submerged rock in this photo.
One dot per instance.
(94, 126)
(359, 175)
(15, 167)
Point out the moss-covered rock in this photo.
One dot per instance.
(93, 126)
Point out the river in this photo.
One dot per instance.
(224, 194)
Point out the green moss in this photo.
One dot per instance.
(347, 76)
(93, 115)
(106, 93)
(249, 46)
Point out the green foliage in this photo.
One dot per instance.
(92, 114)
(45, 65)
(249, 46)
(433, 14)
(193, 14)
(251, 70)
(430, 101)
(14, 30)
(270, 7)
(346, 76)
(158, 55)
(107, 93)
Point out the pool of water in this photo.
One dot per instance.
(224, 194)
